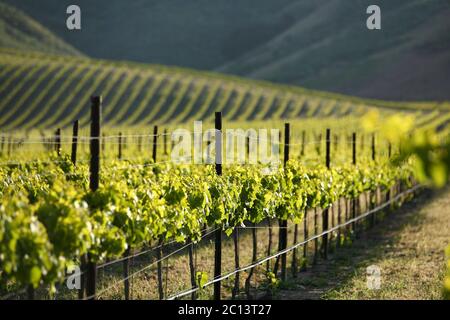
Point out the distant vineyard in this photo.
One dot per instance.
(38, 90)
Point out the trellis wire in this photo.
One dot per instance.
(317, 236)
(146, 267)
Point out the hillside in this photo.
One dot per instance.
(316, 44)
(20, 31)
(41, 90)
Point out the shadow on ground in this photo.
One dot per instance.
(400, 242)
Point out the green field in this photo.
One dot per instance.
(45, 91)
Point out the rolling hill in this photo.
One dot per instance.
(316, 44)
(45, 91)
(45, 83)
(20, 31)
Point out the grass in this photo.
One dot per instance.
(408, 246)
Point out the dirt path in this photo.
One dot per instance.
(408, 247)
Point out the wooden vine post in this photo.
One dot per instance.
(362, 143)
(139, 144)
(354, 163)
(302, 150)
(155, 142)
(74, 142)
(283, 223)
(389, 150)
(218, 233)
(31, 293)
(103, 143)
(126, 273)
(269, 222)
(192, 268)
(294, 267)
(9, 145)
(305, 218)
(2, 145)
(96, 110)
(373, 147)
(159, 251)
(316, 239)
(305, 238)
(126, 256)
(319, 144)
(236, 288)
(165, 142)
(325, 217)
(373, 196)
(58, 142)
(388, 192)
(120, 142)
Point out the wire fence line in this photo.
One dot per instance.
(182, 160)
(120, 141)
(39, 161)
(227, 275)
(293, 247)
(13, 294)
(111, 142)
(146, 267)
(140, 253)
(115, 261)
(88, 138)
(86, 161)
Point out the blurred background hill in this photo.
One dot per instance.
(319, 44)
